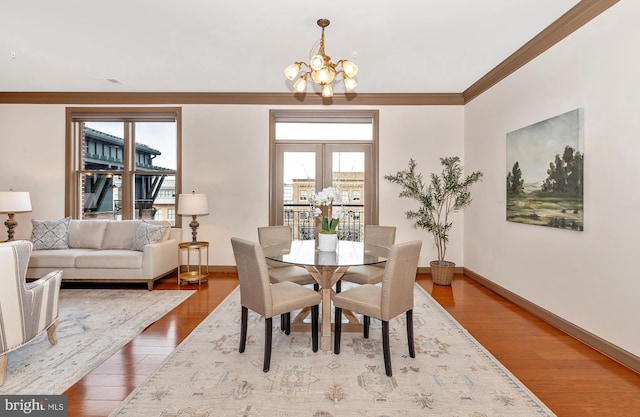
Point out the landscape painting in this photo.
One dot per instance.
(545, 163)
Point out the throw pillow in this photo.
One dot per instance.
(147, 233)
(50, 234)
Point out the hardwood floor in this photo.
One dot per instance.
(568, 376)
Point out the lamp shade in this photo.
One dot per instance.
(15, 202)
(193, 204)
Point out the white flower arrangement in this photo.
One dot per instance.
(325, 199)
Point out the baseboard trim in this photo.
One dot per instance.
(427, 270)
(616, 353)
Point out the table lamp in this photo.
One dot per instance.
(193, 205)
(12, 202)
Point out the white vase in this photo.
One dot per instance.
(327, 242)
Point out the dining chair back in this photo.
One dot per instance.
(370, 274)
(268, 235)
(279, 272)
(258, 294)
(392, 298)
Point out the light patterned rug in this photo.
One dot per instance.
(93, 325)
(452, 374)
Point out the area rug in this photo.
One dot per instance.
(452, 374)
(93, 325)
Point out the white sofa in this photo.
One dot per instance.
(106, 251)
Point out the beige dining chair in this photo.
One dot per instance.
(385, 302)
(279, 272)
(261, 296)
(370, 274)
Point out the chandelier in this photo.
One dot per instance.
(321, 69)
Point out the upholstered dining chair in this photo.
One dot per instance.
(26, 309)
(279, 272)
(370, 274)
(261, 296)
(385, 302)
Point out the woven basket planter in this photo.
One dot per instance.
(442, 272)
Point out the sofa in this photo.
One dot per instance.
(133, 251)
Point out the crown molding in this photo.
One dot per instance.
(157, 98)
(568, 23)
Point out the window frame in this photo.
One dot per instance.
(73, 151)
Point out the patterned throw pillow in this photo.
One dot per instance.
(148, 233)
(50, 234)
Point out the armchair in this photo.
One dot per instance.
(26, 309)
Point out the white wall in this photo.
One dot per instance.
(226, 156)
(587, 278)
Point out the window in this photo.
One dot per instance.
(312, 150)
(122, 163)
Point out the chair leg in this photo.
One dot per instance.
(385, 347)
(283, 326)
(51, 333)
(243, 328)
(267, 344)
(337, 330)
(314, 327)
(412, 350)
(287, 323)
(316, 287)
(366, 321)
(338, 286)
(3, 368)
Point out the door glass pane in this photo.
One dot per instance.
(348, 178)
(299, 184)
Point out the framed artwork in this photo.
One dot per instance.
(545, 163)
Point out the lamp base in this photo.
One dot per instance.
(11, 224)
(194, 230)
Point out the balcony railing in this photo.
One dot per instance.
(303, 224)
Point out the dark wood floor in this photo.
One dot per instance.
(571, 378)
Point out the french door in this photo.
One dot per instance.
(305, 168)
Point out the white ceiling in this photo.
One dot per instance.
(403, 46)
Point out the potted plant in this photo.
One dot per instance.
(445, 194)
(322, 205)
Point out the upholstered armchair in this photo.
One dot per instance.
(26, 309)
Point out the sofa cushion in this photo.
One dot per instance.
(50, 234)
(110, 259)
(119, 234)
(87, 234)
(147, 233)
(56, 258)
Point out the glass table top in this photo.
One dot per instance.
(305, 253)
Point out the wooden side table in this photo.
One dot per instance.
(193, 274)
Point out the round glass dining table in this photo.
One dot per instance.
(327, 268)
